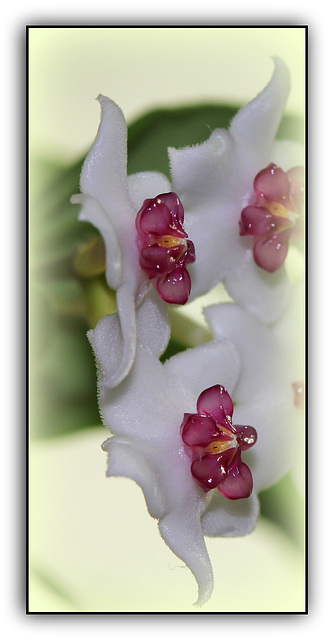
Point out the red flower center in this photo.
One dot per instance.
(164, 250)
(274, 214)
(216, 444)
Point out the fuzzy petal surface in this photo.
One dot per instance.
(264, 394)
(228, 518)
(110, 201)
(145, 412)
(214, 181)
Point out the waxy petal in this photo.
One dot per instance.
(127, 461)
(182, 532)
(238, 483)
(246, 436)
(264, 393)
(104, 172)
(217, 403)
(208, 471)
(256, 221)
(108, 341)
(203, 367)
(272, 183)
(174, 287)
(198, 431)
(161, 216)
(227, 518)
(175, 207)
(155, 259)
(110, 202)
(145, 185)
(270, 252)
(269, 293)
(153, 219)
(254, 127)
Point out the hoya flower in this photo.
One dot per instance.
(218, 179)
(270, 389)
(165, 420)
(274, 214)
(111, 201)
(216, 445)
(164, 247)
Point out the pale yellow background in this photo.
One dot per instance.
(143, 68)
(90, 534)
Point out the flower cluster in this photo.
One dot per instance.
(172, 422)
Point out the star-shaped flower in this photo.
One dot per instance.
(215, 182)
(149, 414)
(216, 444)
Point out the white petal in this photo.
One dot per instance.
(287, 154)
(230, 518)
(104, 172)
(181, 530)
(108, 205)
(264, 395)
(147, 184)
(254, 127)
(153, 327)
(290, 331)
(171, 495)
(256, 346)
(146, 410)
(265, 295)
(140, 406)
(214, 180)
(93, 212)
(204, 169)
(215, 362)
(114, 337)
(126, 306)
(127, 461)
(206, 180)
(218, 246)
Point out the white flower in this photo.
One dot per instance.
(270, 389)
(110, 201)
(214, 181)
(145, 413)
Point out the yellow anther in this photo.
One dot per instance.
(170, 241)
(219, 446)
(277, 209)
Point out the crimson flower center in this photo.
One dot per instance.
(215, 445)
(273, 214)
(164, 248)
